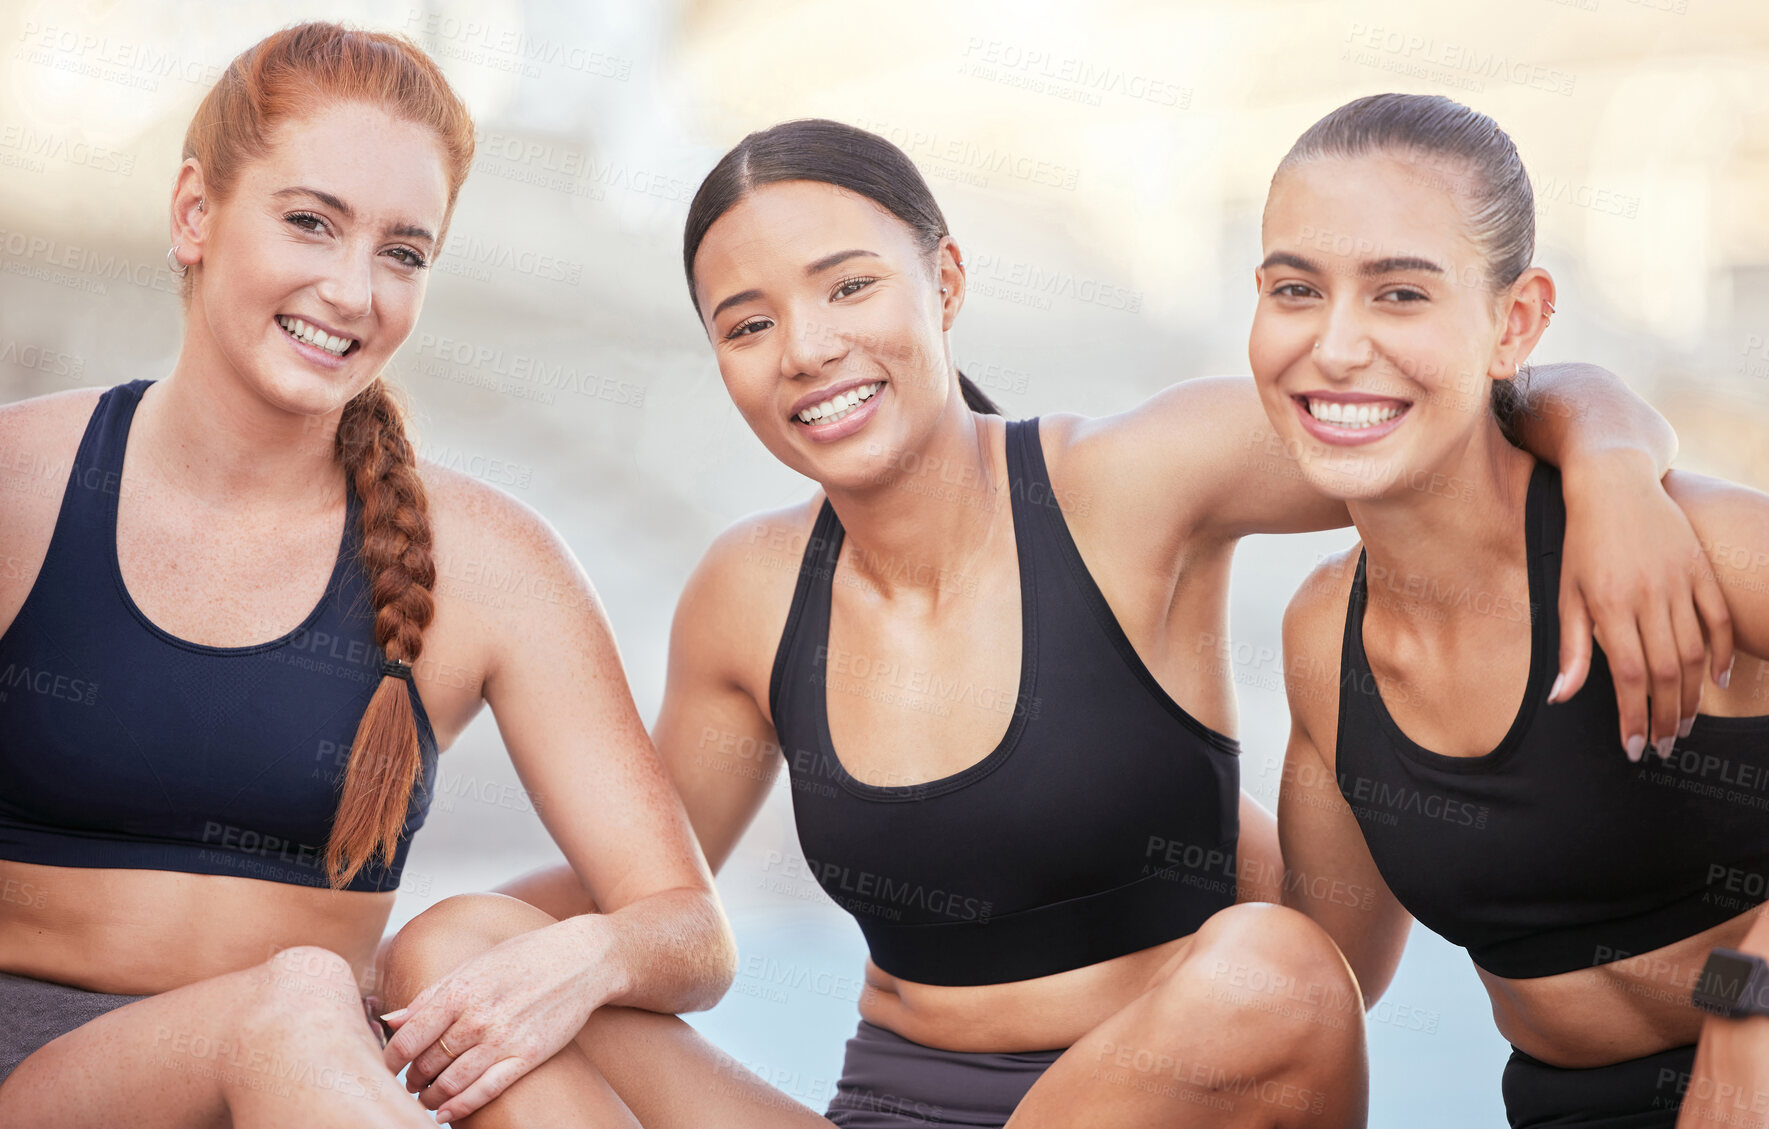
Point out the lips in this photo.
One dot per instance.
(1349, 418)
(310, 334)
(839, 405)
(849, 410)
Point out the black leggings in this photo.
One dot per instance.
(1641, 1093)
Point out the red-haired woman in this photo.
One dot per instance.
(223, 576)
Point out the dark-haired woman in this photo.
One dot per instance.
(981, 651)
(227, 677)
(1428, 761)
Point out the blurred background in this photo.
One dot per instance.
(1104, 172)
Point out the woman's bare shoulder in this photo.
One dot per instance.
(39, 438)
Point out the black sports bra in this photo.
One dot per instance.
(1553, 852)
(1105, 821)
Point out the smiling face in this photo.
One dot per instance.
(828, 324)
(313, 268)
(1377, 335)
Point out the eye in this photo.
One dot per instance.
(306, 221)
(848, 287)
(745, 328)
(1403, 294)
(1293, 290)
(409, 257)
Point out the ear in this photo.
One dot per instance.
(949, 274)
(190, 213)
(1525, 310)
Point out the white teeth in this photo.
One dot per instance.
(836, 407)
(318, 338)
(1354, 416)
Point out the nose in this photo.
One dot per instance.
(812, 344)
(348, 287)
(1344, 346)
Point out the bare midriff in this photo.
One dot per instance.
(141, 932)
(1629, 1007)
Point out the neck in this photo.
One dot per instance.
(1438, 534)
(206, 432)
(925, 530)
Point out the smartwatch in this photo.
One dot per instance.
(1732, 985)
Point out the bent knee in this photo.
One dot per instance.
(448, 934)
(1269, 956)
(303, 982)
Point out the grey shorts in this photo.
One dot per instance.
(37, 1012)
(889, 1082)
(34, 1013)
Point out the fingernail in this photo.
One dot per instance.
(1725, 678)
(1559, 681)
(1684, 726)
(1636, 746)
(444, 1117)
(395, 1016)
(1662, 747)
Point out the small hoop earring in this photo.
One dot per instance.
(172, 263)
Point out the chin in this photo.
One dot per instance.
(306, 393)
(1348, 477)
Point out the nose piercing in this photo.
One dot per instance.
(1317, 346)
(172, 263)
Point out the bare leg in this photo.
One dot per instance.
(625, 1064)
(280, 1044)
(1258, 1022)
(553, 889)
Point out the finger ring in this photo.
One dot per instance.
(444, 1046)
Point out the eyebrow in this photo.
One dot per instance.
(406, 230)
(1378, 266)
(817, 267)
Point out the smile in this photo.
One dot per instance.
(318, 338)
(837, 407)
(1355, 416)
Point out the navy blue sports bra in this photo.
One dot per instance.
(124, 746)
(1105, 822)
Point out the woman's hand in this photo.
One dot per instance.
(501, 1014)
(1635, 577)
(1730, 1082)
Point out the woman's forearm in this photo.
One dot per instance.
(1579, 415)
(670, 952)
